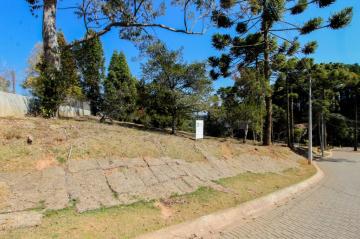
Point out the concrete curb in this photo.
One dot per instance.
(206, 225)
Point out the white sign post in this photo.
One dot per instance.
(199, 129)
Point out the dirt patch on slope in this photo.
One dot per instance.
(53, 140)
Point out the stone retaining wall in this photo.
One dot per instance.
(93, 184)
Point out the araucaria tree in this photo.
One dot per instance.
(119, 101)
(254, 42)
(173, 90)
(90, 62)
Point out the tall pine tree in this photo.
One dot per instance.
(90, 61)
(258, 27)
(119, 99)
(69, 74)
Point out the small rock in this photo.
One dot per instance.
(29, 139)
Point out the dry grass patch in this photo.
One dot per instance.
(4, 193)
(53, 139)
(142, 217)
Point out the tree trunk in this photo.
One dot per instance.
(246, 130)
(356, 124)
(325, 135)
(319, 130)
(322, 134)
(49, 34)
(268, 100)
(173, 124)
(288, 114)
(292, 137)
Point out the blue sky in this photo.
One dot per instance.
(20, 31)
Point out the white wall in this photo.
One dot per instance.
(18, 106)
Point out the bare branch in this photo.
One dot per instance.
(138, 7)
(185, 14)
(108, 28)
(283, 38)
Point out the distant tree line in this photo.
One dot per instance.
(336, 98)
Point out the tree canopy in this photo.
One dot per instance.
(119, 101)
(173, 89)
(255, 39)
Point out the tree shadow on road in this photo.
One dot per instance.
(304, 152)
(337, 160)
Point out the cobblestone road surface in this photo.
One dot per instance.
(330, 210)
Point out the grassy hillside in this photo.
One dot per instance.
(55, 141)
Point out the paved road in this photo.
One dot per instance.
(330, 210)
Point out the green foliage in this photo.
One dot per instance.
(90, 61)
(220, 41)
(119, 101)
(221, 19)
(171, 91)
(241, 28)
(298, 133)
(311, 25)
(232, 107)
(51, 87)
(4, 84)
(340, 131)
(335, 88)
(325, 3)
(68, 70)
(341, 19)
(299, 7)
(310, 48)
(246, 47)
(273, 10)
(226, 4)
(293, 48)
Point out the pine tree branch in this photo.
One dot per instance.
(285, 29)
(244, 46)
(308, 3)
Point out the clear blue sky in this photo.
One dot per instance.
(20, 31)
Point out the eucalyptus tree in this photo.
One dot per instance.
(324, 92)
(131, 17)
(258, 26)
(284, 90)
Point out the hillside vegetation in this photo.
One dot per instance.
(56, 141)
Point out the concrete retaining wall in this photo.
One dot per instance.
(18, 106)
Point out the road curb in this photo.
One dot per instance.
(206, 225)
